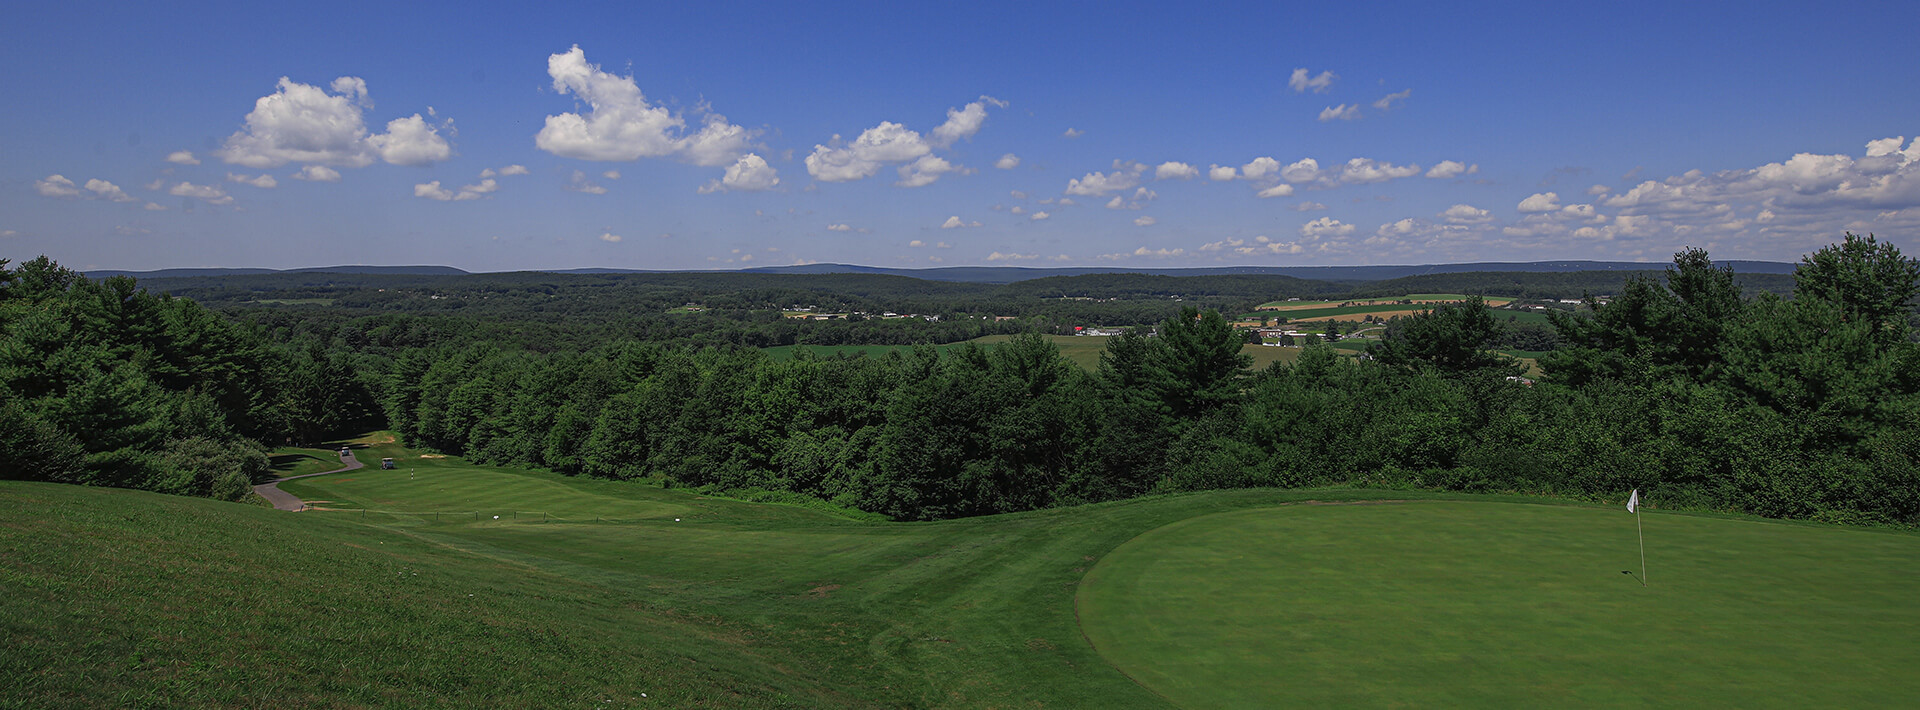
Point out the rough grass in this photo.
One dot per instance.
(115, 598)
(1476, 604)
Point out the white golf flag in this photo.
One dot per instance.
(1633, 501)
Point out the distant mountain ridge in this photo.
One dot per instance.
(1011, 274)
(215, 271)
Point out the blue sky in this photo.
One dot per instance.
(723, 135)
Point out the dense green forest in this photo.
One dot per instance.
(1795, 399)
(108, 384)
(549, 312)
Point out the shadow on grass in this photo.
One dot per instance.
(283, 463)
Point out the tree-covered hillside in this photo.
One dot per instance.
(1690, 384)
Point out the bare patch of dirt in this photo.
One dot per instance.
(822, 591)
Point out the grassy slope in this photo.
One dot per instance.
(1469, 604)
(115, 598)
(130, 598)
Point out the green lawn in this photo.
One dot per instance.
(1476, 604)
(124, 598)
(1522, 317)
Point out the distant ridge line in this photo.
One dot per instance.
(426, 270)
(1010, 274)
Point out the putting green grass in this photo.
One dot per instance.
(1476, 604)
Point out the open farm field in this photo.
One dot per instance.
(1522, 317)
(1416, 298)
(293, 301)
(1223, 599)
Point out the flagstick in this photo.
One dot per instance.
(1643, 545)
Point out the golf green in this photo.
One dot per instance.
(1501, 604)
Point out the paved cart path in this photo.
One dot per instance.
(283, 500)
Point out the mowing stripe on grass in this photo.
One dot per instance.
(1494, 604)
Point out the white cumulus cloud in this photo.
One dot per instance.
(104, 190)
(963, 122)
(1446, 169)
(303, 123)
(262, 181)
(1325, 227)
(1367, 170)
(1161, 253)
(888, 142)
(923, 171)
(1037, 216)
(1466, 214)
(1007, 162)
(997, 256)
(410, 141)
(621, 124)
(750, 173)
(1540, 202)
(1386, 102)
(955, 222)
(1302, 80)
(1302, 170)
(317, 173)
(1221, 173)
(1145, 221)
(182, 157)
(1280, 190)
(433, 191)
(1125, 176)
(1141, 196)
(212, 194)
(1171, 170)
(1072, 132)
(609, 237)
(1260, 168)
(56, 186)
(1342, 112)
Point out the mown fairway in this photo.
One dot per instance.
(1470, 604)
(123, 598)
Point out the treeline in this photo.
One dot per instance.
(1681, 386)
(554, 312)
(912, 435)
(1545, 284)
(102, 383)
